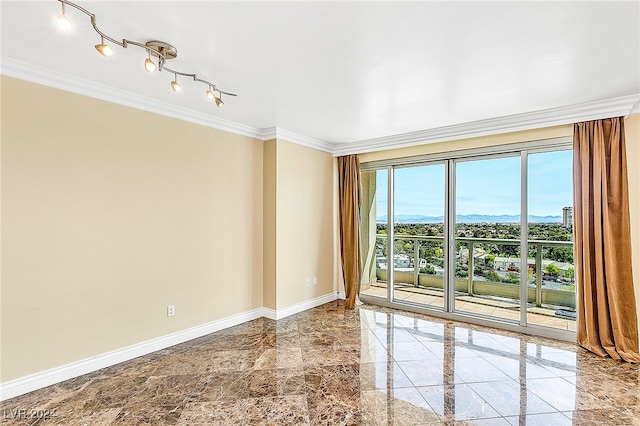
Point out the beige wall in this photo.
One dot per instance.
(632, 134)
(303, 237)
(109, 214)
(338, 277)
(547, 133)
(270, 243)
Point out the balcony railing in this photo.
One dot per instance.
(537, 293)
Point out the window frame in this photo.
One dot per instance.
(450, 159)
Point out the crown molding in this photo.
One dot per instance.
(269, 133)
(278, 133)
(615, 107)
(58, 80)
(305, 140)
(297, 138)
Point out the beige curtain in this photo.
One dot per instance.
(607, 322)
(350, 195)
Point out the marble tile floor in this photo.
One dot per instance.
(334, 366)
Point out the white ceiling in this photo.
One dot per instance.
(344, 72)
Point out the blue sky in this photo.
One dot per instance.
(486, 187)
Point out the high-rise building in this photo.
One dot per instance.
(567, 217)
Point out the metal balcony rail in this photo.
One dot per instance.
(471, 242)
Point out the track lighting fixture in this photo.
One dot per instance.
(159, 49)
(175, 86)
(149, 65)
(104, 49)
(218, 99)
(64, 23)
(209, 94)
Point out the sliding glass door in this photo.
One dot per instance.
(373, 231)
(487, 232)
(418, 235)
(552, 288)
(484, 236)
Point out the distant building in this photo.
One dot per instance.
(567, 217)
(478, 254)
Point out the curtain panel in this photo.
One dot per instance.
(606, 308)
(350, 199)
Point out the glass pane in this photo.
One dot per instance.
(419, 235)
(551, 285)
(373, 229)
(487, 235)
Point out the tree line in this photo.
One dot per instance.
(432, 251)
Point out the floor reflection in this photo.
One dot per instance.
(478, 375)
(334, 366)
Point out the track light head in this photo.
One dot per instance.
(149, 65)
(104, 49)
(175, 86)
(209, 94)
(218, 100)
(64, 23)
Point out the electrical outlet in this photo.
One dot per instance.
(308, 282)
(171, 310)
(315, 280)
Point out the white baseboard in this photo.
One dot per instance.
(45, 378)
(270, 313)
(307, 304)
(55, 375)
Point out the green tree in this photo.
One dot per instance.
(552, 270)
(571, 273)
(461, 273)
(493, 276)
(512, 278)
(429, 269)
(561, 254)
